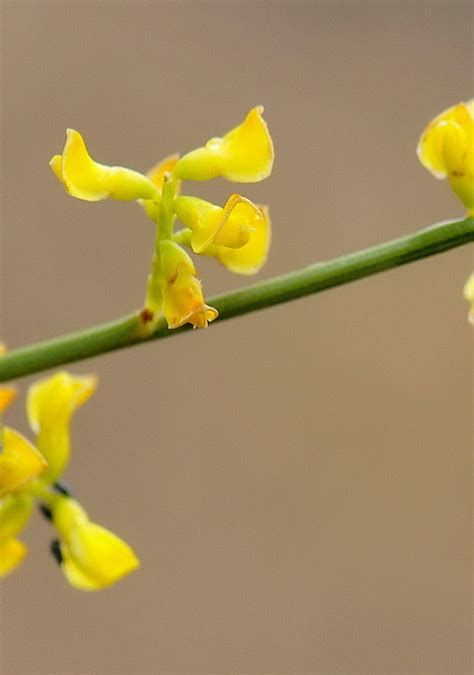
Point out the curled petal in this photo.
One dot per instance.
(19, 462)
(12, 553)
(231, 226)
(243, 155)
(86, 179)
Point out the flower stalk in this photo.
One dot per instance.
(128, 331)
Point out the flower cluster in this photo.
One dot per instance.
(236, 234)
(90, 556)
(446, 149)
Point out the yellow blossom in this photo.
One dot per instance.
(182, 297)
(92, 557)
(86, 179)
(50, 405)
(231, 226)
(446, 149)
(469, 296)
(243, 155)
(15, 511)
(19, 462)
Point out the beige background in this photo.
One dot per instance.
(297, 483)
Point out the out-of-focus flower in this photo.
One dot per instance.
(15, 511)
(182, 296)
(446, 149)
(243, 155)
(50, 405)
(19, 462)
(92, 557)
(469, 296)
(86, 179)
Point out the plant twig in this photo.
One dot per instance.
(128, 331)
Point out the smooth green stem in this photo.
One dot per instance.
(128, 331)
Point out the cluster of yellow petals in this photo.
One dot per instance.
(446, 149)
(238, 235)
(91, 556)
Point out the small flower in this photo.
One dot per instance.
(244, 155)
(446, 149)
(15, 511)
(231, 226)
(469, 296)
(86, 179)
(50, 405)
(19, 462)
(182, 297)
(92, 557)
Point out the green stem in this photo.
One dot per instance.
(128, 331)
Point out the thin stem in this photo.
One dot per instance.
(128, 331)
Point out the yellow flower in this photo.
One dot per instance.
(469, 296)
(92, 557)
(7, 394)
(19, 462)
(182, 297)
(231, 226)
(244, 155)
(248, 259)
(15, 511)
(446, 149)
(86, 179)
(50, 405)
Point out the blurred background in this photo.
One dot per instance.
(296, 482)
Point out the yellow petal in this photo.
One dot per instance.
(86, 179)
(19, 462)
(182, 297)
(7, 394)
(50, 405)
(250, 258)
(12, 553)
(231, 226)
(243, 155)
(15, 512)
(469, 296)
(92, 556)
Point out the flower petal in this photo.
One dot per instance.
(243, 155)
(12, 553)
(86, 179)
(19, 462)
